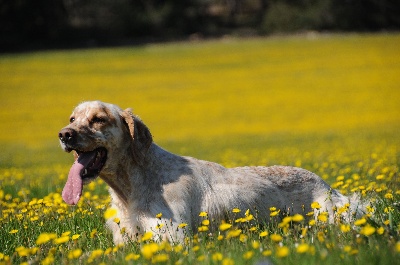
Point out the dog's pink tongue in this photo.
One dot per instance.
(73, 188)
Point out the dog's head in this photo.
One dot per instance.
(101, 135)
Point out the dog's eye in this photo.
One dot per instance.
(98, 120)
(71, 120)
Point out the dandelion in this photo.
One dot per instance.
(311, 222)
(255, 244)
(234, 233)
(61, 240)
(315, 205)
(116, 220)
(149, 250)
(203, 228)
(282, 252)
(264, 234)
(389, 196)
(275, 213)
(217, 256)
(159, 215)
(159, 226)
(266, 253)
(276, 238)
(160, 258)
(345, 228)
(224, 227)
(203, 214)
(397, 247)
(297, 218)
(74, 237)
(74, 254)
(182, 225)
(248, 255)
(93, 233)
(205, 222)
(367, 230)
(23, 251)
(110, 212)
(360, 222)
(380, 230)
(272, 209)
(147, 236)
(45, 237)
(227, 261)
(323, 217)
(13, 231)
(236, 210)
(302, 248)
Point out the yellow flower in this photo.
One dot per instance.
(160, 258)
(323, 218)
(248, 255)
(266, 253)
(67, 233)
(110, 212)
(367, 230)
(345, 228)
(132, 256)
(236, 210)
(255, 244)
(159, 215)
(276, 238)
(282, 252)
(203, 228)
(74, 237)
(389, 196)
(312, 222)
(224, 226)
(264, 234)
(149, 250)
(315, 205)
(217, 256)
(13, 231)
(147, 236)
(159, 226)
(182, 225)
(234, 233)
(272, 209)
(228, 261)
(203, 214)
(23, 251)
(360, 222)
(74, 254)
(205, 222)
(302, 248)
(397, 247)
(274, 213)
(116, 220)
(297, 218)
(380, 230)
(61, 240)
(93, 233)
(243, 238)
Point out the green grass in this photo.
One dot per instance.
(329, 104)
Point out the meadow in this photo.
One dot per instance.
(327, 103)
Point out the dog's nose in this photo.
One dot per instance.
(67, 135)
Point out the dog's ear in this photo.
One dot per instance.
(140, 135)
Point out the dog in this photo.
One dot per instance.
(145, 180)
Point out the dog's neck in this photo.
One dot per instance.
(131, 177)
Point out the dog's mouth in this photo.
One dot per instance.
(86, 167)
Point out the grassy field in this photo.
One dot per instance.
(330, 104)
